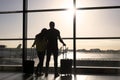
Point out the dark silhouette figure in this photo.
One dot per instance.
(41, 46)
(52, 47)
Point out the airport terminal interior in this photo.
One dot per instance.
(92, 38)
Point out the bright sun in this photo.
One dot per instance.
(71, 9)
(70, 13)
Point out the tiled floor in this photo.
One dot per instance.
(13, 76)
(21, 76)
(82, 77)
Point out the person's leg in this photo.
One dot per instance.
(41, 62)
(48, 56)
(55, 54)
(38, 63)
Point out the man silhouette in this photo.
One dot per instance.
(52, 47)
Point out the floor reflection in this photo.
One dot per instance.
(66, 77)
(22, 76)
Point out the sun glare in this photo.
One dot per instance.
(70, 13)
(71, 10)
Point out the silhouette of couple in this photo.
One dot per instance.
(46, 43)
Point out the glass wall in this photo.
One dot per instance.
(101, 23)
(10, 52)
(11, 39)
(95, 30)
(96, 3)
(11, 25)
(11, 5)
(46, 4)
(39, 20)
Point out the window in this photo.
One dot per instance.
(92, 25)
(10, 32)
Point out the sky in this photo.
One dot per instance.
(89, 23)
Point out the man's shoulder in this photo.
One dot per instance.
(55, 30)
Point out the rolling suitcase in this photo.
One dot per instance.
(28, 65)
(66, 64)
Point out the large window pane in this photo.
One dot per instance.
(37, 21)
(97, 23)
(10, 5)
(96, 3)
(98, 52)
(100, 44)
(49, 4)
(11, 52)
(10, 25)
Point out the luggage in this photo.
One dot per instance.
(66, 64)
(28, 65)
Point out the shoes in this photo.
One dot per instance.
(56, 75)
(39, 74)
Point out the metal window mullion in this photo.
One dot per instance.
(99, 8)
(63, 9)
(74, 35)
(24, 57)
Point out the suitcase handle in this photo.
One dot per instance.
(65, 52)
(32, 53)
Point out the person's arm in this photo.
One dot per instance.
(34, 43)
(60, 39)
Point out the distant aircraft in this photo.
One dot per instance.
(19, 46)
(11, 52)
(18, 51)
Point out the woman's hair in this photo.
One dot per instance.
(43, 32)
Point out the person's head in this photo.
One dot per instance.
(43, 30)
(52, 25)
